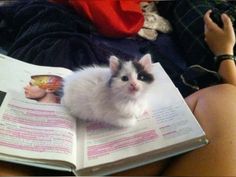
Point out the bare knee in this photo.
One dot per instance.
(214, 108)
(211, 95)
(222, 89)
(218, 97)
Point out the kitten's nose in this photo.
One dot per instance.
(133, 86)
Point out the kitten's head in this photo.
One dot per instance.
(130, 79)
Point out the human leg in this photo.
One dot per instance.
(8, 169)
(214, 108)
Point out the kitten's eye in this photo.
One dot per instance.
(141, 77)
(124, 78)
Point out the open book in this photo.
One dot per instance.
(44, 135)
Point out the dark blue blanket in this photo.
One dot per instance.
(50, 34)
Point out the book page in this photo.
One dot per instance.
(40, 131)
(15, 74)
(168, 122)
(29, 127)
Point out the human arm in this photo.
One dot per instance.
(221, 41)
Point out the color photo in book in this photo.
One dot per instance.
(44, 88)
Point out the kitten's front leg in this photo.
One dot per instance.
(140, 109)
(125, 121)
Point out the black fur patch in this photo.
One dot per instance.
(143, 75)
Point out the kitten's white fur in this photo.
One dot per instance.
(88, 95)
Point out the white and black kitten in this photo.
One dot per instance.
(114, 94)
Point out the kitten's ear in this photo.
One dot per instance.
(114, 64)
(146, 61)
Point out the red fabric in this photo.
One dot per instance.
(113, 18)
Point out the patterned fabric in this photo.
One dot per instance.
(189, 27)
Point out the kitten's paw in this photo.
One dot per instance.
(126, 122)
(146, 112)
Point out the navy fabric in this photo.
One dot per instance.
(48, 34)
(187, 18)
(189, 26)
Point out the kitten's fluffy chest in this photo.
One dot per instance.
(131, 107)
